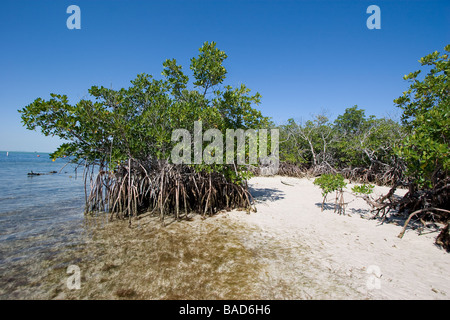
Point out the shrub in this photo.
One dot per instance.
(329, 183)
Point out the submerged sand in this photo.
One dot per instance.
(288, 249)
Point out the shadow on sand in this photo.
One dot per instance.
(266, 194)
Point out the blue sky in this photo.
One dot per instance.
(302, 56)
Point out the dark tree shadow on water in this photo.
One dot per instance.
(266, 194)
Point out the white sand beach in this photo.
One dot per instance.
(309, 254)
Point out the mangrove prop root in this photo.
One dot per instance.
(416, 213)
(166, 189)
(443, 239)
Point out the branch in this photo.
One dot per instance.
(415, 213)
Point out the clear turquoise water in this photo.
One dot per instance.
(39, 215)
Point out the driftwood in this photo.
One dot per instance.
(288, 184)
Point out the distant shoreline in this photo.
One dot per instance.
(4, 151)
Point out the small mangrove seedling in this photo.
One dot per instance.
(329, 183)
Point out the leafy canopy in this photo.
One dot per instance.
(352, 140)
(426, 116)
(330, 182)
(137, 122)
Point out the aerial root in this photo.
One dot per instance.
(165, 189)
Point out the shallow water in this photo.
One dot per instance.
(39, 215)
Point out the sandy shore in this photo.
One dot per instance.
(354, 258)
